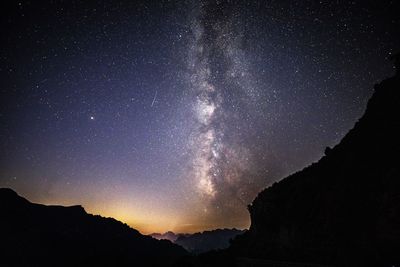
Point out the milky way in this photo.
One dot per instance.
(217, 74)
(173, 115)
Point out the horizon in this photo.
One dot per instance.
(121, 220)
(173, 116)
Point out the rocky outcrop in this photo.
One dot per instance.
(343, 210)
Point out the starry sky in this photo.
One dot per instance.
(173, 115)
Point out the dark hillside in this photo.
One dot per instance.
(39, 235)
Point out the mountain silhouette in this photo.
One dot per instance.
(171, 236)
(202, 241)
(207, 240)
(38, 235)
(343, 210)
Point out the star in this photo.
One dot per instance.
(201, 104)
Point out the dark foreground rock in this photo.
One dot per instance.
(343, 210)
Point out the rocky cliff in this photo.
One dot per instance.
(343, 210)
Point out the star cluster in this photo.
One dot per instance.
(173, 115)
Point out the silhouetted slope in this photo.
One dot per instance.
(39, 235)
(208, 240)
(343, 210)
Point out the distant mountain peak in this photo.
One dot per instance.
(208, 240)
(169, 235)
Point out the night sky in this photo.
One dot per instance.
(173, 115)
